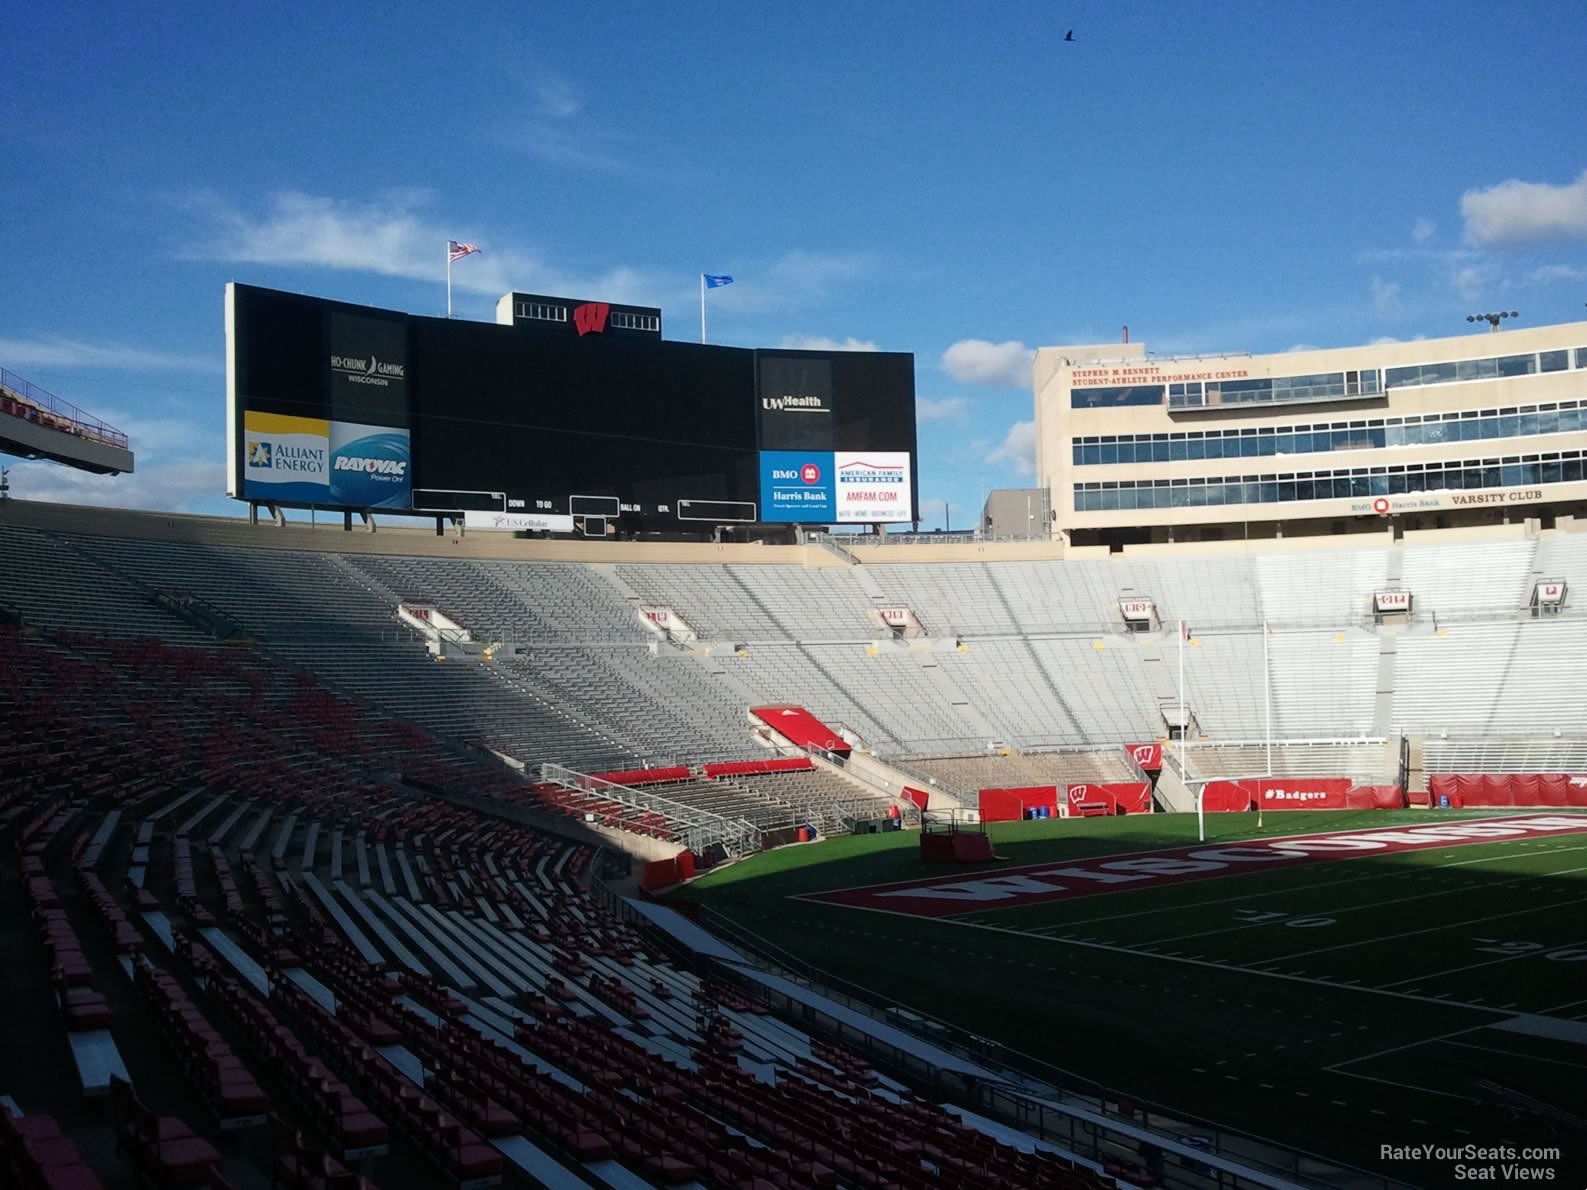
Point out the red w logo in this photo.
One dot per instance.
(590, 318)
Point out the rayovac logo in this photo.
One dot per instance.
(590, 318)
(368, 371)
(1296, 795)
(790, 403)
(395, 468)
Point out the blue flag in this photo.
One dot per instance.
(716, 281)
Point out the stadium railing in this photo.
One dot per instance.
(698, 828)
(85, 423)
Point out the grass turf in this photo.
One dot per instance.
(1336, 1007)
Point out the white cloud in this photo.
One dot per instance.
(977, 361)
(164, 487)
(1303, 347)
(390, 237)
(57, 352)
(1385, 295)
(1515, 211)
(1470, 282)
(1422, 230)
(1550, 273)
(823, 343)
(932, 508)
(798, 278)
(557, 97)
(1017, 451)
(947, 409)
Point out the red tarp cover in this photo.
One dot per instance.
(645, 776)
(1222, 797)
(803, 728)
(1009, 805)
(744, 768)
(920, 797)
(1123, 797)
(1148, 756)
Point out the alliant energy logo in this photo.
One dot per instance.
(282, 456)
(1036, 883)
(789, 403)
(390, 468)
(370, 370)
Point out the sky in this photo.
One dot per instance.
(951, 180)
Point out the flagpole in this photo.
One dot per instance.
(449, 280)
(1267, 693)
(702, 307)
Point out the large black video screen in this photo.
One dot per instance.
(336, 403)
(641, 423)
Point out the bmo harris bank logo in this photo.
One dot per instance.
(809, 473)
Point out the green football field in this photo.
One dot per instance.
(1436, 995)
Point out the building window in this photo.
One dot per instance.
(543, 311)
(1359, 483)
(1100, 398)
(1432, 429)
(623, 320)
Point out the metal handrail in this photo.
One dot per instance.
(701, 828)
(85, 423)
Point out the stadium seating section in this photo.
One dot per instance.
(296, 902)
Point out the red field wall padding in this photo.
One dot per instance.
(1225, 797)
(1510, 789)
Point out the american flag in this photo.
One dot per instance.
(456, 251)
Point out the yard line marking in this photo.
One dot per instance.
(1184, 905)
(1513, 1054)
(1378, 905)
(1338, 1067)
(1453, 925)
(1490, 962)
(1389, 1082)
(1212, 965)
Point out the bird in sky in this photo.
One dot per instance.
(1069, 36)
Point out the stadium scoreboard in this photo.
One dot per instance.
(560, 417)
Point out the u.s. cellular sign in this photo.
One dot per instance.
(1037, 883)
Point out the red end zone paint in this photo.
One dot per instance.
(1036, 883)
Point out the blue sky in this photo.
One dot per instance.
(951, 180)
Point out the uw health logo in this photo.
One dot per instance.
(259, 454)
(590, 318)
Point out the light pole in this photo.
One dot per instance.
(1493, 320)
